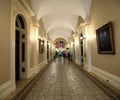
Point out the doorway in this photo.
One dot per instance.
(81, 49)
(20, 48)
(17, 55)
(47, 50)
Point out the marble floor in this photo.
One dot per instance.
(64, 81)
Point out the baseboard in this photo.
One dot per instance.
(85, 67)
(108, 77)
(77, 62)
(40, 66)
(6, 89)
(31, 72)
(37, 69)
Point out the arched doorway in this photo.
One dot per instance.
(20, 48)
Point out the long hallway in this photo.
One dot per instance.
(62, 80)
(34, 32)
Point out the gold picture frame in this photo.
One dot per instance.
(41, 46)
(105, 39)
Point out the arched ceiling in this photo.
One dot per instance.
(60, 39)
(58, 20)
(60, 31)
(61, 17)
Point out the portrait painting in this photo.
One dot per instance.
(41, 46)
(105, 40)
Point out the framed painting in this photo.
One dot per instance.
(105, 39)
(41, 46)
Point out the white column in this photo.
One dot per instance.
(45, 46)
(36, 45)
(88, 48)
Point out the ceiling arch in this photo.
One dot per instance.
(45, 7)
(35, 5)
(60, 20)
(55, 37)
(61, 17)
(59, 26)
(61, 7)
(60, 31)
(60, 39)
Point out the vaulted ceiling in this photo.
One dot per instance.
(61, 17)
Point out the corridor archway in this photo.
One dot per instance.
(20, 48)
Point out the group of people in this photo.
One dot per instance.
(62, 54)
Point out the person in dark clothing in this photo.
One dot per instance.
(69, 56)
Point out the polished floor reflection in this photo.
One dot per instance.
(64, 81)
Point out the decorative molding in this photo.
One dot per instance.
(108, 77)
(6, 89)
(18, 8)
(81, 27)
(35, 21)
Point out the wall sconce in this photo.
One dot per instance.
(82, 38)
(40, 38)
(48, 43)
(41, 44)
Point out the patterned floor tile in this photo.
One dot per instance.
(64, 81)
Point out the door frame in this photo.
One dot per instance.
(22, 28)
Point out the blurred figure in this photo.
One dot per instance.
(68, 55)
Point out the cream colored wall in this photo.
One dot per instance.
(32, 50)
(42, 57)
(77, 48)
(34, 29)
(31, 54)
(102, 12)
(5, 13)
(9, 9)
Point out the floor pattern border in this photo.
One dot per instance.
(21, 95)
(105, 88)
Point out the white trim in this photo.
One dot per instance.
(85, 67)
(88, 48)
(110, 78)
(37, 69)
(6, 89)
(28, 46)
(16, 9)
(12, 46)
(77, 62)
